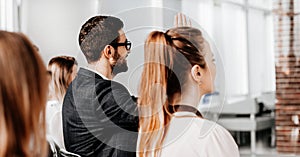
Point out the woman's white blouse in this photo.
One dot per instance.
(54, 122)
(191, 136)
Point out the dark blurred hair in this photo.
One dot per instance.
(96, 33)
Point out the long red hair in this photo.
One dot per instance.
(168, 58)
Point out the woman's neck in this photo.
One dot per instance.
(186, 98)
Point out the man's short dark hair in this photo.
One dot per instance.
(96, 33)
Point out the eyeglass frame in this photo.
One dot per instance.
(126, 43)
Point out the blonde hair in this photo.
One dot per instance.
(61, 69)
(168, 58)
(23, 94)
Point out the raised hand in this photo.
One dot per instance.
(181, 20)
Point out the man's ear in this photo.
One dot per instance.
(108, 51)
(197, 73)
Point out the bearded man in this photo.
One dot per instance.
(100, 117)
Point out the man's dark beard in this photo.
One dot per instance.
(120, 66)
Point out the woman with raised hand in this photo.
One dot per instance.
(23, 95)
(63, 70)
(179, 69)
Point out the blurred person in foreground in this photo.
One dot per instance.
(23, 95)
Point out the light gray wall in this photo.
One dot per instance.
(53, 25)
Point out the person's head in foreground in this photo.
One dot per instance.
(179, 69)
(23, 94)
(104, 44)
(63, 70)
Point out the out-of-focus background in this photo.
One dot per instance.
(256, 44)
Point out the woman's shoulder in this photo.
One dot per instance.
(52, 103)
(201, 128)
(198, 137)
(210, 129)
(219, 141)
(52, 107)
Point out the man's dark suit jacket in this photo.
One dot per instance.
(100, 117)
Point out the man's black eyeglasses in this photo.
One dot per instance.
(127, 44)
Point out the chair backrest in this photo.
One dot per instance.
(65, 153)
(56, 151)
(268, 99)
(53, 148)
(245, 106)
